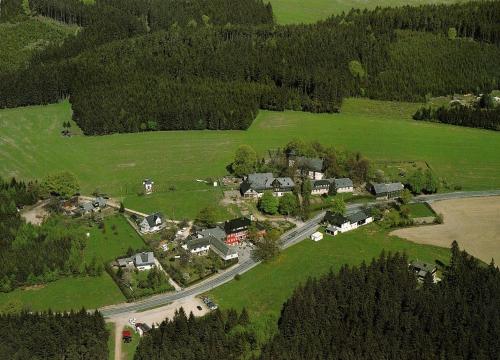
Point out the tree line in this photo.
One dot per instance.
(47, 335)
(208, 64)
(470, 116)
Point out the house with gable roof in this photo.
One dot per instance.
(152, 223)
(254, 185)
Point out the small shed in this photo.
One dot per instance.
(148, 185)
(317, 236)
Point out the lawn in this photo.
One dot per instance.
(114, 241)
(31, 147)
(128, 349)
(309, 11)
(68, 293)
(267, 286)
(420, 210)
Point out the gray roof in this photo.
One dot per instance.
(216, 232)
(151, 219)
(144, 258)
(222, 247)
(420, 266)
(195, 243)
(148, 181)
(335, 219)
(321, 183)
(217, 244)
(311, 164)
(342, 183)
(387, 188)
(358, 216)
(265, 181)
(88, 206)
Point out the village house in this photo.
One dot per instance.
(320, 187)
(200, 245)
(152, 223)
(256, 184)
(421, 269)
(142, 328)
(386, 191)
(236, 230)
(95, 205)
(343, 185)
(141, 261)
(336, 223)
(313, 168)
(144, 261)
(148, 186)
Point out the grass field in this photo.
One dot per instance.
(111, 327)
(31, 147)
(309, 11)
(420, 210)
(128, 349)
(115, 241)
(20, 40)
(267, 286)
(68, 293)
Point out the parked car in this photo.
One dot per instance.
(199, 307)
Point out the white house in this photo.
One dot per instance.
(152, 223)
(340, 224)
(387, 191)
(148, 186)
(144, 261)
(313, 168)
(343, 185)
(198, 246)
(202, 244)
(95, 205)
(317, 236)
(320, 187)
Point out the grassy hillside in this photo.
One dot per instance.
(31, 146)
(309, 11)
(267, 286)
(20, 40)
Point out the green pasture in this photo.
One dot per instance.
(31, 147)
(68, 293)
(266, 287)
(420, 210)
(111, 327)
(309, 11)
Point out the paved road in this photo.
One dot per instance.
(290, 238)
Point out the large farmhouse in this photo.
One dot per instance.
(152, 223)
(343, 185)
(386, 191)
(256, 184)
(313, 168)
(201, 245)
(95, 205)
(336, 223)
(236, 230)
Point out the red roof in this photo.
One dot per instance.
(126, 333)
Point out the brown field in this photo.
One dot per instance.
(474, 223)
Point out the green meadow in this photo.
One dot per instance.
(309, 11)
(266, 287)
(31, 147)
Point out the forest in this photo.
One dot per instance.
(485, 114)
(74, 335)
(30, 254)
(212, 64)
(371, 311)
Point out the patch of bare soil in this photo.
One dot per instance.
(34, 287)
(474, 223)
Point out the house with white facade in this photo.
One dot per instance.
(312, 168)
(202, 244)
(386, 191)
(254, 185)
(95, 205)
(144, 261)
(317, 236)
(148, 186)
(321, 187)
(343, 185)
(336, 223)
(152, 223)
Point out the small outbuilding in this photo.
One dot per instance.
(317, 236)
(148, 186)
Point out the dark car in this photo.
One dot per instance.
(199, 307)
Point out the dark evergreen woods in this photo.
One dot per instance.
(476, 117)
(378, 311)
(71, 336)
(142, 65)
(213, 337)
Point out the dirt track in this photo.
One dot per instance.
(474, 223)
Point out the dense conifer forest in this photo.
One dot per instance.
(53, 336)
(140, 65)
(372, 311)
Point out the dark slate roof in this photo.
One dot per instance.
(151, 219)
(148, 181)
(321, 183)
(387, 188)
(311, 164)
(284, 182)
(195, 243)
(335, 219)
(421, 266)
(342, 183)
(222, 247)
(358, 216)
(216, 232)
(265, 181)
(236, 225)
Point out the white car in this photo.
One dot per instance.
(132, 321)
